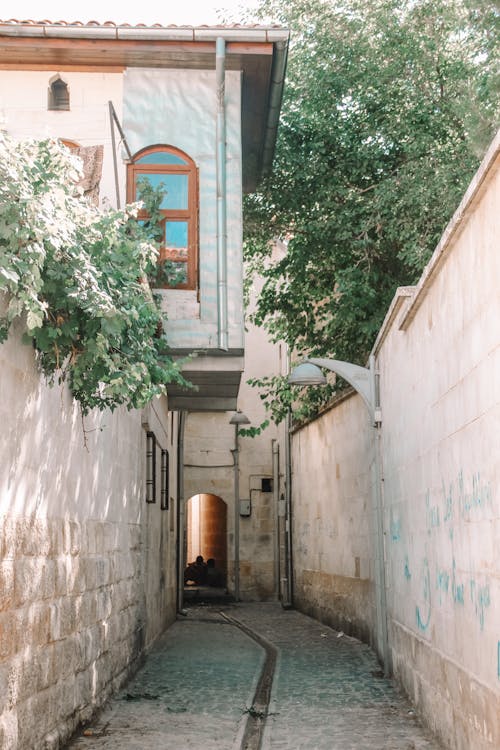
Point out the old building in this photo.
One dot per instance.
(91, 541)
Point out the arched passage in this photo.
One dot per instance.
(206, 532)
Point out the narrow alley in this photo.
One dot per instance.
(256, 676)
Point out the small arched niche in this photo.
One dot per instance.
(58, 94)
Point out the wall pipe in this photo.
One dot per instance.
(236, 457)
(220, 75)
(275, 99)
(288, 513)
(181, 510)
(276, 496)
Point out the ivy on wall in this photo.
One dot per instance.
(78, 277)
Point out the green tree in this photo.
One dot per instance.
(78, 279)
(388, 107)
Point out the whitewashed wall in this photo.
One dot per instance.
(184, 115)
(440, 391)
(439, 359)
(24, 114)
(87, 569)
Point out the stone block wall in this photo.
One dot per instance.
(71, 623)
(438, 356)
(87, 568)
(332, 520)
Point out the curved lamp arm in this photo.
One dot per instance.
(362, 379)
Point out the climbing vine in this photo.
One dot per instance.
(78, 278)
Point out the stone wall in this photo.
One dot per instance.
(332, 521)
(87, 569)
(438, 354)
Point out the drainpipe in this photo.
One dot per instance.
(378, 513)
(181, 509)
(288, 513)
(220, 75)
(276, 496)
(280, 55)
(236, 461)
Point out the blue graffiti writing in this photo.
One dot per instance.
(447, 503)
(442, 583)
(424, 616)
(395, 529)
(457, 589)
(480, 495)
(433, 520)
(407, 568)
(483, 601)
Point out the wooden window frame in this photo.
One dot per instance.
(190, 215)
(57, 102)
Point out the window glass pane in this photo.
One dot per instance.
(176, 235)
(175, 187)
(161, 157)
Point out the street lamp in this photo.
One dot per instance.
(362, 379)
(237, 420)
(365, 381)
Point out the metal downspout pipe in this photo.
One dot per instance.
(181, 510)
(220, 75)
(236, 460)
(276, 497)
(288, 513)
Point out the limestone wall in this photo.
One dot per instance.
(438, 354)
(209, 462)
(440, 390)
(87, 569)
(332, 521)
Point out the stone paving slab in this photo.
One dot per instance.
(193, 692)
(198, 683)
(328, 690)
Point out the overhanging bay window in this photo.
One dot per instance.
(177, 173)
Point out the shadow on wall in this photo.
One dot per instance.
(58, 464)
(71, 508)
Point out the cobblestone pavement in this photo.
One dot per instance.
(197, 686)
(328, 690)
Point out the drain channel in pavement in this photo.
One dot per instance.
(258, 712)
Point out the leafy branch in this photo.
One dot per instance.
(78, 279)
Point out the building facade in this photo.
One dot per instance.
(91, 510)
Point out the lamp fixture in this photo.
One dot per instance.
(239, 418)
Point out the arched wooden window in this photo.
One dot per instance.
(58, 94)
(179, 208)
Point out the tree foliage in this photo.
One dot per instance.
(388, 107)
(78, 277)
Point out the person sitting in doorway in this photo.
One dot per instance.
(214, 576)
(196, 572)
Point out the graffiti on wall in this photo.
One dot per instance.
(423, 610)
(458, 502)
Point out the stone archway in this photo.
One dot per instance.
(206, 531)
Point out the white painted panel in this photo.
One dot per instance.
(178, 108)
